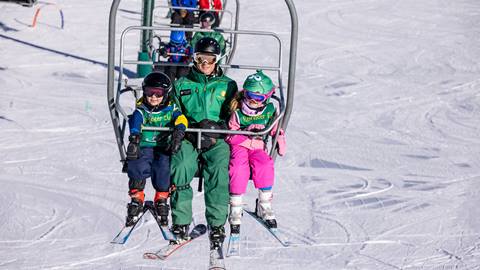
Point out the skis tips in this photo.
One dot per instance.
(201, 228)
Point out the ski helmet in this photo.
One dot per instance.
(158, 82)
(208, 17)
(177, 37)
(259, 83)
(207, 45)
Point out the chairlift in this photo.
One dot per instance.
(283, 94)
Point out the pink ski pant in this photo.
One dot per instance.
(241, 161)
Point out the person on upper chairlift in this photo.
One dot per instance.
(213, 5)
(177, 50)
(207, 20)
(252, 111)
(182, 16)
(148, 152)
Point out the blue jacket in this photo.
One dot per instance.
(180, 49)
(136, 120)
(184, 3)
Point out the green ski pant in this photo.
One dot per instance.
(184, 165)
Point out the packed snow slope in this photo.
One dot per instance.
(382, 169)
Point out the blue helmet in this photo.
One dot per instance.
(177, 37)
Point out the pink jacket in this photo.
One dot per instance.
(253, 143)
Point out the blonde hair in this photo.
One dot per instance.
(236, 102)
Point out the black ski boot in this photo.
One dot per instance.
(162, 209)
(217, 235)
(134, 210)
(235, 229)
(180, 232)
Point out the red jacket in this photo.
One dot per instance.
(207, 4)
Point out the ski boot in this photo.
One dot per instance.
(135, 207)
(161, 207)
(264, 209)
(180, 232)
(235, 217)
(216, 236)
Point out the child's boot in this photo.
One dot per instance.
(264, 208)
(235, 217)
(161, 207)
(135, 207)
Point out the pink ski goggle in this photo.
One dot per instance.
(154, 91)
(256, 96)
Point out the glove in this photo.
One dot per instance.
(281, 143)
(176, 143)
(133, 149)
(210, 124)
(206, 142)
(255, 127)
(163, 52)
(235, 139)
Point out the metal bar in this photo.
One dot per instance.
(292, 62)
(234, 32)
(133, 62)
(111, 78)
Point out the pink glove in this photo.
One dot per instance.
(255, 127)
(253, 144)
(235, 139)
(281, 142)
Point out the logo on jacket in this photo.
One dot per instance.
(185, 92)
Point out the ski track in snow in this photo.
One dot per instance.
(384, 176)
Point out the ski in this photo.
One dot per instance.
(166, 233)
(125, 232)
(165, 252)
(278, 235)
(217, 261)
(233, 248)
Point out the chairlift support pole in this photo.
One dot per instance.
(145, 38)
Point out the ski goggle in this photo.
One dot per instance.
(154, 91)
(256, 96)
(201, 58)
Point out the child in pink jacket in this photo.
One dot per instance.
(252, 111)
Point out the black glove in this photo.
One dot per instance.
(210, 124)
(176, 143)
(163, 52)
(133, 149)
(210, 139)
(206, 142)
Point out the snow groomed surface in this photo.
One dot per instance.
(382, 169)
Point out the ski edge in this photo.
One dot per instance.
(273, 231)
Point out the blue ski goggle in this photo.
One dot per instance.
(257, 96)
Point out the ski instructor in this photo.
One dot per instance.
(204, 96)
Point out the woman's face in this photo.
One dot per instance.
(205, 63)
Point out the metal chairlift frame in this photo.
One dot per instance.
(230, 41)
(119, 116)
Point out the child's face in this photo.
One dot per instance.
(253, 103)
(154, 100)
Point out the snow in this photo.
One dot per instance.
(382, 169)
